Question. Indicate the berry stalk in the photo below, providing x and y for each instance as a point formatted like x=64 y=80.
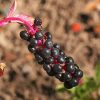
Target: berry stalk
x=30 y=28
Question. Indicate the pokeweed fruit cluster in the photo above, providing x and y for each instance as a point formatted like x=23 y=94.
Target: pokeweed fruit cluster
x=52 y=57
x=47 y=53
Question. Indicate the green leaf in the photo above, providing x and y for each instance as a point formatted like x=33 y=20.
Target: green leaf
x=97 y=73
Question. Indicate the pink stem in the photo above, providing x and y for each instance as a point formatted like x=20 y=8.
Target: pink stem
x=31 y=30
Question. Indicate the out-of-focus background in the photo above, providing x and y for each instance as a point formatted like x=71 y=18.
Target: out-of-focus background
x=75 y=25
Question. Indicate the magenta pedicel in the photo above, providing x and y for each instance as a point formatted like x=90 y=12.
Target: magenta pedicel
x=48 y=54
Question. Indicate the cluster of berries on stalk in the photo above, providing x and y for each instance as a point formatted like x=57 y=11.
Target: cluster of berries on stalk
x=51 y=56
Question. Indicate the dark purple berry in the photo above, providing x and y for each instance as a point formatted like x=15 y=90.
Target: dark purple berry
x=46 y=53
x=69 y=60
x=65 y=57
x=73 y=82
x=49 y=43
x=57 y=68
x=50 y=60
x=51 y=73
x=78 y=73
x=47 y=68
x=76 y=66
x=39 y=51
x=37 y=21
x=24 y=35
x=55 y=52
x=62 y=53
x=67 y=85
x=48 y=34
x=39 y=35
x=33 y=41
x=31 y=48
x=58 y=76
x=56 y=46
x=39 y=58
x=61 y=77
x=70 y=68
x=61 y=59
x=67 y=76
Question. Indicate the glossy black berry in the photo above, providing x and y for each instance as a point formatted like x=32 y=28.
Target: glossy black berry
x=76 y=66
x=37 y=21
x=57 y=68
x=55 y=52
x=67 y=85
x=50 y=60
x=67 y=76
x=65 y=57
x=58 y=76
x=62 y=53
x=39 y=35
x=49 y=43
x=70 y=68
x=31 y=48
x=51 y=73
x=56 y=46
x=46 y=53
x=33 y=41
x=39 y=58
x=48 y=34
x=38 y=51
x=47 y=68
x=24 y=35
x=61 y=59
x=73 y=82
x=78 y=73
x=69 y=60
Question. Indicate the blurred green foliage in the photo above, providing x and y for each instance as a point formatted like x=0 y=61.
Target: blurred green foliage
x=84 y=91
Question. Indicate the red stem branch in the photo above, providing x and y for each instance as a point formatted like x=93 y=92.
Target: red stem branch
x=30 y=28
